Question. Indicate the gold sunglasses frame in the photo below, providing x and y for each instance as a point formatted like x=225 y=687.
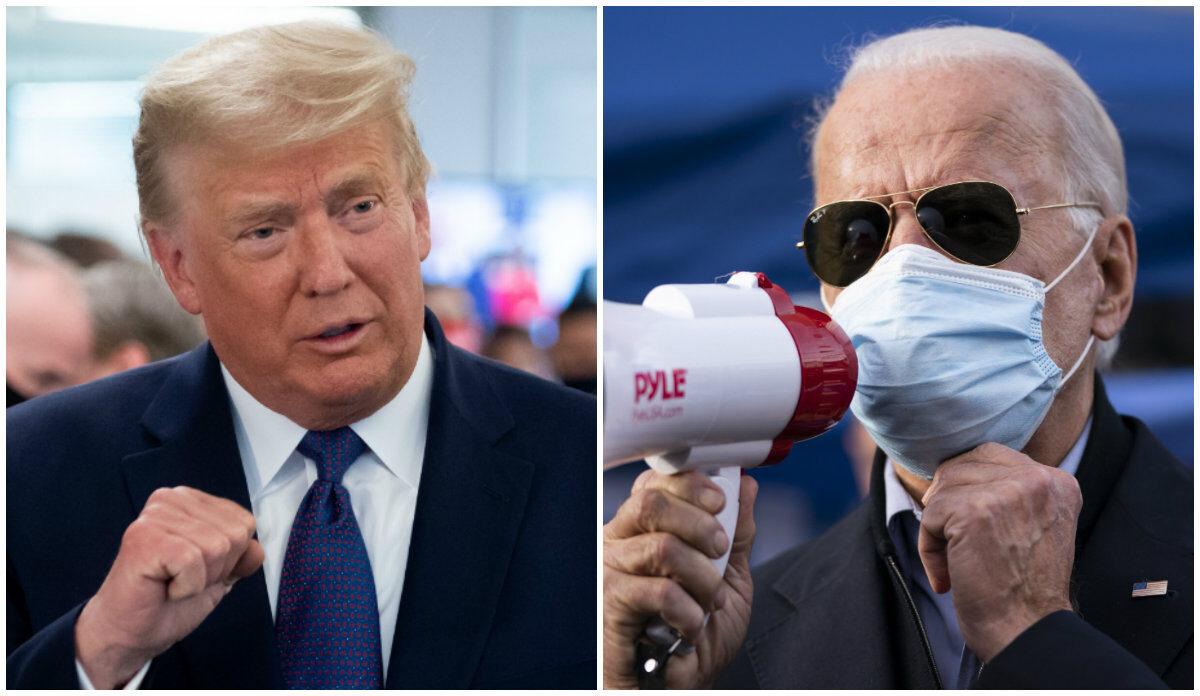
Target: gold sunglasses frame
x=914 y=204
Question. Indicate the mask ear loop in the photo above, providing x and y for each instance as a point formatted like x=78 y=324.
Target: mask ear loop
x=1078 y=361
x=1092 y=338
x=1082 y=252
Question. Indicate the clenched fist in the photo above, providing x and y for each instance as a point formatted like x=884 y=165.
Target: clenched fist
x=658 y=561
x=177 y=560
x=999 y=528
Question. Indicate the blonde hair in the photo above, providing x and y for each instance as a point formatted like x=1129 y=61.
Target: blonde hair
x=270 y=87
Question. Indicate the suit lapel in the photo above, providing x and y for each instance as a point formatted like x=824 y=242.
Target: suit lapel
x=1135 y=527
x=470 y=504
x=191 y=422
x=837 y=584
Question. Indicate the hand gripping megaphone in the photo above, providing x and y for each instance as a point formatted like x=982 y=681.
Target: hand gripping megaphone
x=716 y=378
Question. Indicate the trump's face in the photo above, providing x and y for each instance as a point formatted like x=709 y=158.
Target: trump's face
x=305 y=267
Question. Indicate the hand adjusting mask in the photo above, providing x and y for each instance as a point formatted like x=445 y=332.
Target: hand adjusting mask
x=950 y=355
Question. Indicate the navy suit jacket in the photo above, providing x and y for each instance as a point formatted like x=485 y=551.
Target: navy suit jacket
x=833 y=614
x=500 y=588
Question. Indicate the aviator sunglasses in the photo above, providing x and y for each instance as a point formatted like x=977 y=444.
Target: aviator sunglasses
x=976 y=222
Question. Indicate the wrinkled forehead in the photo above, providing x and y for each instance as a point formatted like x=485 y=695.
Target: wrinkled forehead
x=934 y=126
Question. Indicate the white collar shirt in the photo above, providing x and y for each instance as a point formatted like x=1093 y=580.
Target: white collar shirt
x=382 y=482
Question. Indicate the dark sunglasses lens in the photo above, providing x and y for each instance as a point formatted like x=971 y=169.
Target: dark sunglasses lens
x=842 y=240
x=975 y=221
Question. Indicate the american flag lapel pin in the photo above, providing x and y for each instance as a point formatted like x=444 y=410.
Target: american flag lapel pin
x=1149 y=589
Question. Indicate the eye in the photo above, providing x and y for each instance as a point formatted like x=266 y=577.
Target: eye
x=262 y=232
x=364 y=206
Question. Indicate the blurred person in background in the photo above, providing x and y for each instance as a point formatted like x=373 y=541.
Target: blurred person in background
x=49 y=332
x=574 y=353
x=84 y=249
x=513 y=346
x=135 y=320
x=1018 y=533
x=455 y=311
x=327 y=493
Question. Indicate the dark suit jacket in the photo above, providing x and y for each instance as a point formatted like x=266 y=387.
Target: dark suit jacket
x=834 y=613
x=501 y=579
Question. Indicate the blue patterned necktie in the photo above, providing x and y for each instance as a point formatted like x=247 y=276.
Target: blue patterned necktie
x=327 y=623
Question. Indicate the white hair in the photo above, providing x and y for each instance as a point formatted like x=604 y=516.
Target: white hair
x=1093 y=162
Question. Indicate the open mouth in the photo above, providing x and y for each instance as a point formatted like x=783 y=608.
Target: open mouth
x=339 y=331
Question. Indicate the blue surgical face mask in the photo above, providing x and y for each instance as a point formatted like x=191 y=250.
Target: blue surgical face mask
x=950 y=355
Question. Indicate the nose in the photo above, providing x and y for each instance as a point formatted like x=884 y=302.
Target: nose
x=323 y=267
x=906 y=229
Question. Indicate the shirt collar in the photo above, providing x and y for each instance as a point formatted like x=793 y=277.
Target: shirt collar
x=395 y=433
x=897 y=499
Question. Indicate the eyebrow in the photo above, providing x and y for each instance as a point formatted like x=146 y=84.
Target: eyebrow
x=352 y=185
x=258 y=211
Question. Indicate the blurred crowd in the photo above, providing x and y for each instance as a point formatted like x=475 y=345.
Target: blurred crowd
x=79 y=309
x=569 y=355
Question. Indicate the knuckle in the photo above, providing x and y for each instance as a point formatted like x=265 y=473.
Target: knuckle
x=665 y=592
x=219 y=547
x=162 y=495
x=650 y=507
x=662 y=553
x=247 y=522
x=644 y=479
x=1070 y=491
x=189 y=554
x=136 y=532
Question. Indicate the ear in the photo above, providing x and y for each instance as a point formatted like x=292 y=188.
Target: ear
x=420 y=208
x=1117 y=258
x=167 y=249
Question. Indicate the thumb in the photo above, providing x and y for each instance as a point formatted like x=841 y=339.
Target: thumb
x=249 y=562
x=743 y=536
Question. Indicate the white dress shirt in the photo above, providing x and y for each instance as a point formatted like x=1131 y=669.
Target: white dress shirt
x=957 y=665
x=382 y=483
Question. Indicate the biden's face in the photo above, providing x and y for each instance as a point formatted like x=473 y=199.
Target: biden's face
x=305 y=267
x=899 y=131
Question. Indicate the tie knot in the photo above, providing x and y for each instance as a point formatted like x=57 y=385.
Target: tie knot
x=333 y=451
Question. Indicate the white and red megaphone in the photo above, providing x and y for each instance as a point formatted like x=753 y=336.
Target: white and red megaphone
x=719 y=377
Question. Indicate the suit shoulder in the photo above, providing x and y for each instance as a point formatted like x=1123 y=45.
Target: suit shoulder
x=96 y=414
x=1157 y=488
x=533 y=399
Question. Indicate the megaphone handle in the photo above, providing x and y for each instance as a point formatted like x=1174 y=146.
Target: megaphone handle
x=729 y=480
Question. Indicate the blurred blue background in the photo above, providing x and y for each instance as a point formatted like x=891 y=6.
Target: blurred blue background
x=705 y=172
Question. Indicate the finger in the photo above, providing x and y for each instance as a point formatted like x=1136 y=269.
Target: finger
x=933 y=538
x=665 y=555
x=932 y=549
x=181 y=564
x=655 y=510
x=632 y=600
x=216 y=547
x=743 y=535
x=692 y=486
x=232 y=519
x=248 y=564
x=959 y=473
